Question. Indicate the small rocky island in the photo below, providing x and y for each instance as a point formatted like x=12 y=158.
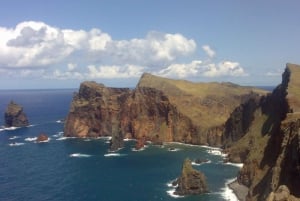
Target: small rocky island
x=42 y=137
x=14 y=116
x=191 y=181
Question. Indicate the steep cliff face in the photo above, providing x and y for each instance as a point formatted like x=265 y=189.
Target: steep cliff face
x=269 y=147
x=147 y=113
x=207 y=105
x=142 y=113
x=15 y=116
x=173 y=110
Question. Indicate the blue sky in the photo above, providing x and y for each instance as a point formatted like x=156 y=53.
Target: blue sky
x=58 y=44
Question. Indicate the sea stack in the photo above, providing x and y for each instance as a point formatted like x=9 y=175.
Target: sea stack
x=14 y=116
x=191 y=181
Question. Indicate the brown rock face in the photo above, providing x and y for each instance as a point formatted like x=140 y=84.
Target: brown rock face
x=42 y=137
x=191 y=181
x=166 y=111
x=269 y=147
x=14 y=116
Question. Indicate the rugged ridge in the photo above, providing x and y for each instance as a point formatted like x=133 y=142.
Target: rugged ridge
x=159 y=110
x=269 y=143
x=14 y=116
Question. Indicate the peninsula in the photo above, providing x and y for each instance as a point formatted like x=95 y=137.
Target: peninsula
x=255 y=127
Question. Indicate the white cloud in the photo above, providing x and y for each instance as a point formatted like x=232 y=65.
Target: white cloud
x=71 y=66
x=126 y=71
x=225 y=68
x=210 y=52
x=181 y=70
x=37 y=49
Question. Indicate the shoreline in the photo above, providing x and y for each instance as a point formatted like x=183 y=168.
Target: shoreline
x=239 y=190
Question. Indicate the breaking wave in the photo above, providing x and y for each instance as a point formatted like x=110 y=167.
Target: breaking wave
x=79 y=155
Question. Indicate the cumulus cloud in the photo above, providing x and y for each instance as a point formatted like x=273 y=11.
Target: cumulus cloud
x=38 y=49
x=181 y=70
x=209 y=51
x=199 y=68
x=225 y=68
x=127 y=71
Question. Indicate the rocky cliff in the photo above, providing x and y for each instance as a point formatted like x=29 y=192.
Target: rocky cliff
x=268 y=143
x=158 y=110
x=15 y=116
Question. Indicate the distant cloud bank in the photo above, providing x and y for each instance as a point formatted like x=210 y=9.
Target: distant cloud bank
x=36 y=49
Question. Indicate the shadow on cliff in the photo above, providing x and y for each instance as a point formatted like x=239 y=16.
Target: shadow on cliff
x=275 y=107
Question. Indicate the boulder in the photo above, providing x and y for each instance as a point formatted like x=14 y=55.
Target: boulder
x=191 y=181
x=42 y=138
x=14 y=116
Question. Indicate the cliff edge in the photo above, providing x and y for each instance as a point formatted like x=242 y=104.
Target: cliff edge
x=269 y=143
x=158 y=109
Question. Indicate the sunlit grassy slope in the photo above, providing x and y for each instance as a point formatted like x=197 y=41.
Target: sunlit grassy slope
x=207 y=104
x=294 y=87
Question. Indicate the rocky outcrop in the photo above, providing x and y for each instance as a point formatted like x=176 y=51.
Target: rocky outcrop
x=282 y=194
x=14 y=116
x=269 y=147
x=170 y=111
x=42 y=138
x=191 y=181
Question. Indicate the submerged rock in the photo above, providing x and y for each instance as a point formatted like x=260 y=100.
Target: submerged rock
x=191 y=181
x=14 y=116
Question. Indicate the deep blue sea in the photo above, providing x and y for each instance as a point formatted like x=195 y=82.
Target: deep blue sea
x=83 y=169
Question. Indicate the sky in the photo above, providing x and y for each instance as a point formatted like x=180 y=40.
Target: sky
x=59 y=44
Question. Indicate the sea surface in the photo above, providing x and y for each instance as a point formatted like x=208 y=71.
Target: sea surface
x=73 y=169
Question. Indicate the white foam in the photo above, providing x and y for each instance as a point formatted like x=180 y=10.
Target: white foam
x=227 y=193
x=44 y=141
x=141 y=149
x=216 y=152
x=105 y=137
x=59 y=134
x=79 y=155
x=16 y=144
x=10 y=128
x=198 y=164
x=129 y=139
x=171 y=192
x=30 y=139
x=59 y=121
x=113 y=155
x=14 y=137
x=174 y=149
x=65 y=138
x=239 y=165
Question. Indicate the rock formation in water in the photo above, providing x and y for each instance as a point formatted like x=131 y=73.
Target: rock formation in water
x=158 y=110
x=269 y=143
x=191 y=181
x=14 y=116
x=42 y=137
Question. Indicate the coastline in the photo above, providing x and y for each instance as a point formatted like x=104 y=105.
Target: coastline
x=239 y=190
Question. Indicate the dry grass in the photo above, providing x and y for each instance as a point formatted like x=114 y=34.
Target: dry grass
x=294 y=87
x=207 y=104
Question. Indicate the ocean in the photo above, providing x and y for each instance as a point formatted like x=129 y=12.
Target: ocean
x=72 y=169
